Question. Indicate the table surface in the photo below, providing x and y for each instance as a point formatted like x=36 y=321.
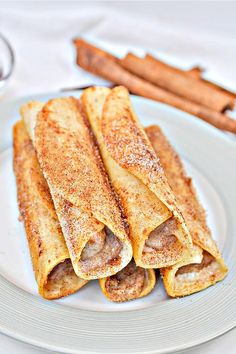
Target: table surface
x=183 y=33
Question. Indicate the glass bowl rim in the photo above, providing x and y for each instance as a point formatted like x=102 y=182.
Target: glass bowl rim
x=12 y=57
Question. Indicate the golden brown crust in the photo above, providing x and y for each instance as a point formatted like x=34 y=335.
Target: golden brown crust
x=80 y=189
x=129 y=146
x=69 y=160
x=192 y=280
x=27 y=111
x=46 y=242
x=77 y=225
x=143 y=209
x=205 y=262
x=182 y=186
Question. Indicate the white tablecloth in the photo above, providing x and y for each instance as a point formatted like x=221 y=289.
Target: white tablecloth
x=182 y=33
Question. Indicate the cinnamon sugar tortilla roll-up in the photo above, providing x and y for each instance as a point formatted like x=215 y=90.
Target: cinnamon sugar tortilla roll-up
x=182 y=85
x=132 y=282
x=205 y=265
x=85 y=204
x=157 y=230
x=50 y=257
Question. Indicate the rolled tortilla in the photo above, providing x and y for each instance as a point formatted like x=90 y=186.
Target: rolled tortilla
x=205 y=265
x=85 y=204
x=157 y=230
x=130 y=283
x=50 y=258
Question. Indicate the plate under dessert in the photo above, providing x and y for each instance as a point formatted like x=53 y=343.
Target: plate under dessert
x=87 y=321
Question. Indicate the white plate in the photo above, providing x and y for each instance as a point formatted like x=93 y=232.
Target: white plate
x=87 y=321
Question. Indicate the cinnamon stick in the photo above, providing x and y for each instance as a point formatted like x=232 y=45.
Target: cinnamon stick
x=97 y=62
x=81 y=43
x=181 y=85
x=195 y=72
x=231 y=94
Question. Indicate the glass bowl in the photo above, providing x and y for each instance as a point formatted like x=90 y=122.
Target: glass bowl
x=7 y=61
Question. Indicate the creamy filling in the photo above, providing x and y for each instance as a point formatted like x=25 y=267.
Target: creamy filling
x=93 y=246
x=196 y=267
x=62 y=280
x=198 y=273
x=104 y=249
x=127 y=284
x=162 y=245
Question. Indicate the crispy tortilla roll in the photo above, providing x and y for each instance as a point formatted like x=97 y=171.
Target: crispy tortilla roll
x=205 y=265
x=130 y=283
x=178 y=83
x=158 y=233
x=50 y=258
x=87 y=210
